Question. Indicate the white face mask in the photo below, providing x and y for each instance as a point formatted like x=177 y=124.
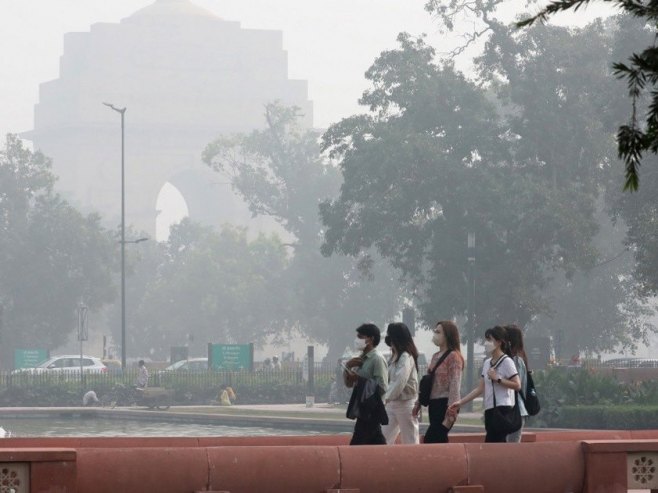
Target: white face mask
x=489 y=347
x=436 y=339
x=359 y=344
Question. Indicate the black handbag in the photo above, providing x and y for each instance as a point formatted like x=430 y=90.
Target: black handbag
x=531 y=400
x=425 y=384
x=505 y=419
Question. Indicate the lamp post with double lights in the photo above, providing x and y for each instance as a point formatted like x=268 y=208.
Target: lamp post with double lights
x=122 y=112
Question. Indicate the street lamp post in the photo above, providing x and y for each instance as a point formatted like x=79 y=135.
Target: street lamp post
x=122 y=112
x=470 y=366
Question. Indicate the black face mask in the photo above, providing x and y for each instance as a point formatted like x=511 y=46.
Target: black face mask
x=387 y=341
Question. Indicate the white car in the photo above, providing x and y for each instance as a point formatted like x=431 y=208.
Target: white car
x=194 y=365
x=67 y=364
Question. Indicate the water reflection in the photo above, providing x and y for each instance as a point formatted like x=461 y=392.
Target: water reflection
x=84 y=427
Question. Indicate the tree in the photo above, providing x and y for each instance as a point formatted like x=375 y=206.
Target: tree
x=596 y=309
x=433 y=161
x=281 y=173
x=51 y=256
x=211 y=286
x=555 y=93
x=640 y=135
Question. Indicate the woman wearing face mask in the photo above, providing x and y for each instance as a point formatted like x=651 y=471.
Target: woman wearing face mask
x=367 y=374
x=499 y=375
x=446 y=383
x=402 y=386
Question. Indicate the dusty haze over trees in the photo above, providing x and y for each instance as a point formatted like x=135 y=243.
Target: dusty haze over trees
x=375 y=212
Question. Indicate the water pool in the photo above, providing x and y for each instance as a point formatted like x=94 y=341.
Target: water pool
x=99 y=427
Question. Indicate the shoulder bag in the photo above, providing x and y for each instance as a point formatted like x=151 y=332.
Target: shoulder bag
x=425 y=384
x=505 y=419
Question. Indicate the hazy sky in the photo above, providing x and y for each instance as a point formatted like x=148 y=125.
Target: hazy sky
x=330 y=44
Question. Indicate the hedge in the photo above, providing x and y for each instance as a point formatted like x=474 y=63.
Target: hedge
x=606 y=417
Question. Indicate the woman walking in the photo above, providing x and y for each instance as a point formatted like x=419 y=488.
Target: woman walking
x=402 y=386
x=517 y=351
x=500 y=378
x=448 y=365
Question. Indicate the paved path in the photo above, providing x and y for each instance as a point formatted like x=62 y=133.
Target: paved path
x=322 y=408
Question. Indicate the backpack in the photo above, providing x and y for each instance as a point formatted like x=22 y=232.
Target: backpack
x=530 y=399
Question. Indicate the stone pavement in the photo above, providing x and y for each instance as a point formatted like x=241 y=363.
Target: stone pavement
x=324 y=408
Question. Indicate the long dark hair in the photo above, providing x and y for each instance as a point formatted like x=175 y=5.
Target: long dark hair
x=399 y=336
x=451 y=333
x=515 y=339
x=500 y=334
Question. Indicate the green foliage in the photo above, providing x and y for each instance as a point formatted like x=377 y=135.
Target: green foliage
x=432 y=160
x=282 y=174
x=599 y=417
x=641 y=74
x=51 y=256
x=208 y=286
x=561 y=390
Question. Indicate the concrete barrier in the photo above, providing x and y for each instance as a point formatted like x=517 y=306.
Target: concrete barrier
x=537 y=467
x=570 y=462
x=274 y=469
x=421 y=469
x=139 y=470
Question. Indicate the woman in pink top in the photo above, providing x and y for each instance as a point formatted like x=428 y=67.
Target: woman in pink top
x=446 y=384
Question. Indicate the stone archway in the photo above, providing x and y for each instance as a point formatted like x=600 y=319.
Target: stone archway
x=185 y=76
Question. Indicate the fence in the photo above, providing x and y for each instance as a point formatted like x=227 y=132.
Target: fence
x=286 y=385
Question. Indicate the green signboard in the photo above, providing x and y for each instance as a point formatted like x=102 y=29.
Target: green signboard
x=29 y=358
x=231 y=356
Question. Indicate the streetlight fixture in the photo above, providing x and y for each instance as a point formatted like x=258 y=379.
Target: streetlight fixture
x=122 y=112
x=470 y=364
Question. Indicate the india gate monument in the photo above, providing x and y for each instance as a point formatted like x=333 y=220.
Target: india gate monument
x=185 y=77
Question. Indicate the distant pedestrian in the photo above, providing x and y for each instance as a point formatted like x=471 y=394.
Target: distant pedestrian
x=367 y=375
x=143 y=375
x=448 y=366
x=499 y=376
x=402 y=386
x=517 y=351
x=276 y=364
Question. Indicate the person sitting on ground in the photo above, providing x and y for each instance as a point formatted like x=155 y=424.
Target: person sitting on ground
x=226 y=396
x=143 y=375
x=90 y=399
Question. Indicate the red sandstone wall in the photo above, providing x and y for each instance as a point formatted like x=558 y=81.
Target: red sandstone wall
x=376 y=469
x=320 y=463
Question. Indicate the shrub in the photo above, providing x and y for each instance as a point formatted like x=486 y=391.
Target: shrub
x=618 y=417
x=562 y=388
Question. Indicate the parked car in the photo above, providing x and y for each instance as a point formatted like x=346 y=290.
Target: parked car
x=67 y=364
x=194 y=365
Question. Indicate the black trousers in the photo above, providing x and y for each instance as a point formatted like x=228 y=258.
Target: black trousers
x=436 y=432
x=493 y=436
x=367 y=432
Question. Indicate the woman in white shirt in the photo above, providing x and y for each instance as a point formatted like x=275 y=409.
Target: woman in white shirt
x=499 y=375
x=402 y=388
